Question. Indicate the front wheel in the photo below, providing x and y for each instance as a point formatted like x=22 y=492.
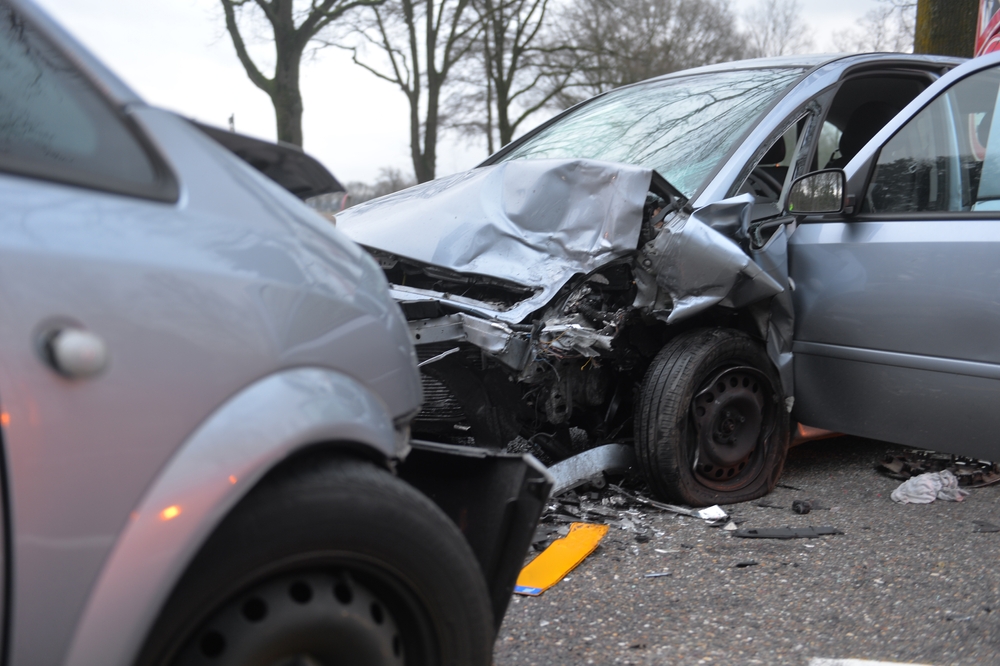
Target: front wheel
x=335 y=562
x=711 y=427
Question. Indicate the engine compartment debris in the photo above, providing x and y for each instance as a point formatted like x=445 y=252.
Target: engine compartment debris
x=970 y=472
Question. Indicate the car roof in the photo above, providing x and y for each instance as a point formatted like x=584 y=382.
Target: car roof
x=813 y=61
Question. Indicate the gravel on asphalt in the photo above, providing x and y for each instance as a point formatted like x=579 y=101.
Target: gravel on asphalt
x=904 y=583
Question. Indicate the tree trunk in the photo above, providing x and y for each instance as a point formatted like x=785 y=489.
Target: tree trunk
x=287 y=100
x=946 y=27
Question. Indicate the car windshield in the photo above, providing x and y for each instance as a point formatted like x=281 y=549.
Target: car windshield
x=680 y=127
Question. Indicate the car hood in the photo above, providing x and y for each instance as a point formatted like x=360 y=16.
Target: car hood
x=536 y=223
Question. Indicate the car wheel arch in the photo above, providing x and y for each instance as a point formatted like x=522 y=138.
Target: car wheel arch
x=193 y=494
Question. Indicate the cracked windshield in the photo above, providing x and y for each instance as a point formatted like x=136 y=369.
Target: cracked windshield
x=679 y=127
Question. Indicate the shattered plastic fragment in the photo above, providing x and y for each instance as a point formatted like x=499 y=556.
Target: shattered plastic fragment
x=983 y=526
x=577 y=470
x=711 y=514
x=661 y=574
x=559 y=559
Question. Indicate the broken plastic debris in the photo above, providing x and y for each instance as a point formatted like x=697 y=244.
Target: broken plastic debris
x=559 y=559
x=804 y=506
x=713 y=514
x=730 y=526
x=983 y=526
x=657 y=575
x=744 y=565
x=971 y=473
x=786 y=532
x=581 y=468
x=928 y=487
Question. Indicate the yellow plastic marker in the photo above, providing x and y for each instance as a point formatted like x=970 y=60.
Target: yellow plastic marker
x=561 y=557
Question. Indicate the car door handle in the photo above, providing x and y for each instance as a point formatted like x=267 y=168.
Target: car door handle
x=76 y=353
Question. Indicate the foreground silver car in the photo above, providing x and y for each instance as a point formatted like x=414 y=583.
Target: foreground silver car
x=206 y=394
x=629 y=270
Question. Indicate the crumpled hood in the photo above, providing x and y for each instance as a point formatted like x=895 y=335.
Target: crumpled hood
x=533 y=222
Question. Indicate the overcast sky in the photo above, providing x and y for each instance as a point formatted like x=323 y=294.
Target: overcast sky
x=177 y=55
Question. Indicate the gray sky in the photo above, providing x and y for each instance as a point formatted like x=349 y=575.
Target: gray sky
x=177 y=55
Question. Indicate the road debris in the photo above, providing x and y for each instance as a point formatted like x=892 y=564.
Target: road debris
x=764 y=504
x=971 y=473
x=804 y=506
x=928 y=487
x=658 y=575
x=744 y=565
x=786 y=532
x=561 y=557
x=712 y=514
x=983 y=526
x=590 y=466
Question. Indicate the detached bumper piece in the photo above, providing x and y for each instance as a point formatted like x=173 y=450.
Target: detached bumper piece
x=786 y=532
x=494 y=498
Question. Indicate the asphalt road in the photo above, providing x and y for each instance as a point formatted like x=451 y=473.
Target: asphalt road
x=904 y=583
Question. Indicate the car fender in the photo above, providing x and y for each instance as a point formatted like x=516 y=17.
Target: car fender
x=210 y=472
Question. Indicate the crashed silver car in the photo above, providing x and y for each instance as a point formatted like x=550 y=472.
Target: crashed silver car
x=635 y=270
x=205 y=397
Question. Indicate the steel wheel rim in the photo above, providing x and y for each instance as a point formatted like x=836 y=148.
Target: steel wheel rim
x=315 y=617
x=733 y=416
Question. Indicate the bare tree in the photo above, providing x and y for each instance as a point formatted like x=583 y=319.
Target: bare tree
x=887 y=27
x=419 y=43
x=507 y=80
x=390 y=179
x=775 y=28
x=292 y=29
x=609 y=43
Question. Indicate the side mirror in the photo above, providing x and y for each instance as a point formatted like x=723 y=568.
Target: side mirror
x=817 y=193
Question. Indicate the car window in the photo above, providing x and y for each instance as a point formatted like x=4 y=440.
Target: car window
x=54 y=124
x=942 y=159
x=829 y=142
x=681 y=127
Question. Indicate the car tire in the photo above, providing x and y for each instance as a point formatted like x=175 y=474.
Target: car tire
x=335 y=561
x=711 y=427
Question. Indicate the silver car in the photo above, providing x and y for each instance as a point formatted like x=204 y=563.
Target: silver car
x=634 y=270
x=206 y=393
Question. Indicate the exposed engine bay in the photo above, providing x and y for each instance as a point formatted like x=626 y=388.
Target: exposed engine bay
x=555 y=341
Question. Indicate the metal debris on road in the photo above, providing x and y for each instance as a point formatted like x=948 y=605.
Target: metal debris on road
x=712 y=514
x=786 y=532
x=657 y=575
x=970 y=472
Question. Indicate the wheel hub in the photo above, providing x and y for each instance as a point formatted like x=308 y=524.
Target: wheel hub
x=729 y=419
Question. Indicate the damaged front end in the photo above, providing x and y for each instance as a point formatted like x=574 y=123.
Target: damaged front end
x=538 y=293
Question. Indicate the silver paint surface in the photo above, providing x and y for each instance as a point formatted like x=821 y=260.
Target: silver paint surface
x=535 y=223
x=236 y=282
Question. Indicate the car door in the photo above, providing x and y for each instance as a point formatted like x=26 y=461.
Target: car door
x=897 y=307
